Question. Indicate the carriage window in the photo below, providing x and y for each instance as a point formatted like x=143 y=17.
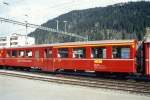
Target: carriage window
x=8 y=53
x=14 y=53
x=79 y=53
x=36 y=53
x=21 y=53
x=47 y=53
x=121 y=52
x=98 y=52
x=63 y=53
x=28 y=53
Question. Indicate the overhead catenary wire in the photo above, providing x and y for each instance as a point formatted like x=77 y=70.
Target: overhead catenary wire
x=41 y=27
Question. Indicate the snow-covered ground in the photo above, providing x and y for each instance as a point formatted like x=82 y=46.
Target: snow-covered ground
x=13 y=88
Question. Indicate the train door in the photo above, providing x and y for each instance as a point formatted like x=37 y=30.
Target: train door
x=64 y=61
x=36 y=58
x=48 y=59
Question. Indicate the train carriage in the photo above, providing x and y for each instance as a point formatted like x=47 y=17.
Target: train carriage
x=146 y=65
x=31 y=56
x=99 y=56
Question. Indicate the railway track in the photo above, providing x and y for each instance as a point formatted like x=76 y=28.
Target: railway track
x=142 y=88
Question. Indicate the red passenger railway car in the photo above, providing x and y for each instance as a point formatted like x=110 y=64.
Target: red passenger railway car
x=147 y=57
x=100 y=56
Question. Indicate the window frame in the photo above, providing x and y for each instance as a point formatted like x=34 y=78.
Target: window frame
x=16 y=54
x=8 y=54
x=23 y=54
x=104 y=56
x=120 y=55
x=79 y=48
x=48 y=53
x=59 y=53
x=26 y=53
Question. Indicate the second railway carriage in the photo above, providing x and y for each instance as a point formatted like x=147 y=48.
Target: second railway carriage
x=146 y=66
x=99 y=56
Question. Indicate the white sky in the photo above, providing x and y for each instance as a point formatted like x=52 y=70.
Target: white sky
x=40 y=11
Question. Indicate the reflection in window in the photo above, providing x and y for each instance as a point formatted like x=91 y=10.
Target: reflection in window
x=28 y=53
x=21 y=53
x=79 y=53
x=98 y=52
x=14 y=53
x=8 y=54
x=121 y=52
x=63 y=53
x=47 y=53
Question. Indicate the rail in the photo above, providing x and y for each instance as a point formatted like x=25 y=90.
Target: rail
x=142 y=88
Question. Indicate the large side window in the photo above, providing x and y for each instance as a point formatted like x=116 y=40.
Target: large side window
x=29 y=53
x=14 y=53
x=79 y=53
x=8 y=53
x=98 y=52
x=63 y=53
x=21 y=53
x=121 y=52
x=47 y=53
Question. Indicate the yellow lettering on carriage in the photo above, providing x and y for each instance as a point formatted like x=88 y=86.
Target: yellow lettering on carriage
x=98 y=61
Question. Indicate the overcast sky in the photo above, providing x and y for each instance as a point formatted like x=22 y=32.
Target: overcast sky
x=40 y=11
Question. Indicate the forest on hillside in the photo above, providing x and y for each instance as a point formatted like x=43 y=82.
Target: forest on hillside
x=119 y=21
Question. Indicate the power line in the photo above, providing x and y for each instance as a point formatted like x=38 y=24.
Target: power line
x=42 y=28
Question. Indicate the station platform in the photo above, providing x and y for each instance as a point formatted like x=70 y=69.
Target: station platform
x=13 y=88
